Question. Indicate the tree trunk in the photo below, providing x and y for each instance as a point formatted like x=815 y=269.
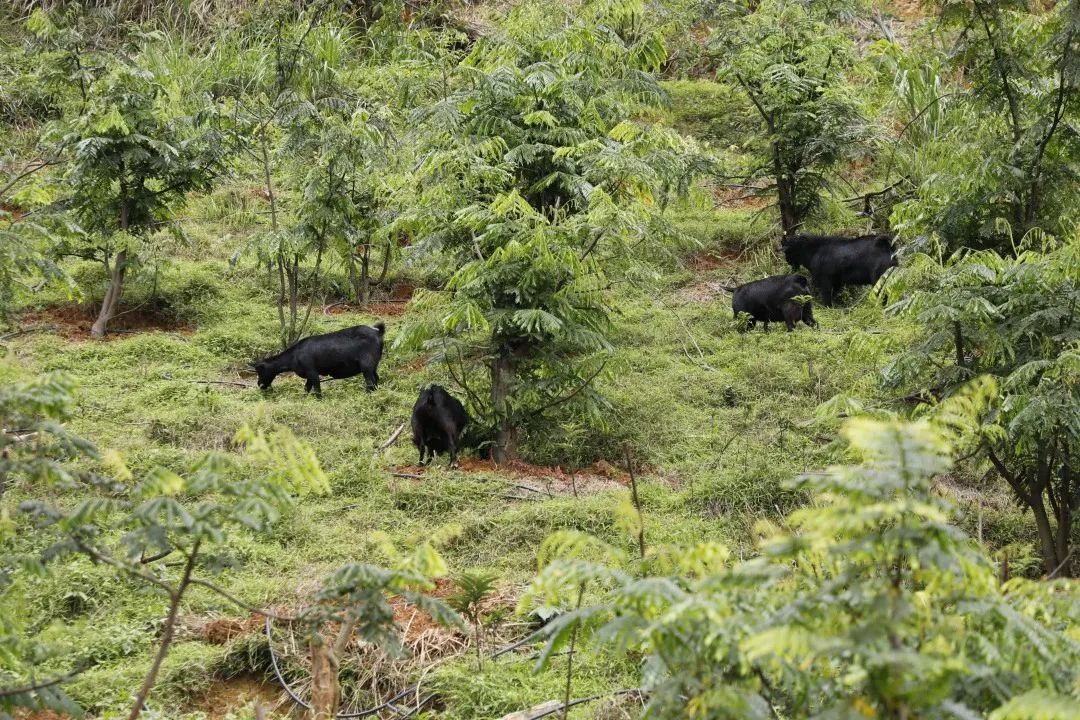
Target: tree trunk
x=111 y=300
x=385 y=264
x=785 y=195
x=294 y=298
x=325 y=692
x=365 y=281
x=958 y=342
x=353 y=279
x=502 y=373
x=1046 y=534
x=166 y=635
x=1064 y=512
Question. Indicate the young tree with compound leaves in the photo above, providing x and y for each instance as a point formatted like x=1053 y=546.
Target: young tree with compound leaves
x=869 y=603
x=35 y=449
x=1007 y=147
x=536 y=182
x=1015 y=317
x=133 y=524
x=132 y=166
x=131 y=157
x=791 y=61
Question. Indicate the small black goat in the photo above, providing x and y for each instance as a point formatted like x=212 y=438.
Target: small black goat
x=342 y=354
x=772 y=300
x=437 y=421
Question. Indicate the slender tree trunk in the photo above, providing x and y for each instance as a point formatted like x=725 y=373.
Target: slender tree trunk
x=385 y=264
x=294 y=299
x=111 y=301
x=314 y=284
x=570 y=658
x=365 y=281
x=282 y=326
x=1046 y=534
x=269 y=182
x=166 y=635
x=479 y=652
x=353 y=279
x=958 y=341
x=785 y=195
x=502 y=373
x=1064 y=513
x=325 y=691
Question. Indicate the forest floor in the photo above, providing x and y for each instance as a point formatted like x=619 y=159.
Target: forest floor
x=717 y=421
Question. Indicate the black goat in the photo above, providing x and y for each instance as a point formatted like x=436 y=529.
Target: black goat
x=772 y=300
x=438 y=419
x=342 y=354
x=837 y=262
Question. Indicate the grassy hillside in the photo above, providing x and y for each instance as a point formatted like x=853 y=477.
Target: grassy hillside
x=717 y=421
x=712 y=421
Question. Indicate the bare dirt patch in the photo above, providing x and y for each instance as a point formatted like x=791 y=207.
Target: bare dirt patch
x=219 y=630
x=740 y=198
x=538 y=479
x=417 y=364
x=14 y=212
x=73 y=321
x=704 y=292
x=909 y=9
x=24 y=714
x=231 y=696
x=382 y=309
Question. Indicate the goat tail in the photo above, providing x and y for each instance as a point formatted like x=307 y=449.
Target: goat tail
x=380 y=327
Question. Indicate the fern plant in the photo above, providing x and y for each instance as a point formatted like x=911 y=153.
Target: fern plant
x=473 y=588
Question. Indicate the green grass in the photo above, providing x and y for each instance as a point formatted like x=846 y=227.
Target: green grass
x=719 y=433
x=718 y=420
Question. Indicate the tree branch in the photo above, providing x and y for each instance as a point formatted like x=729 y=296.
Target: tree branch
x=34 y=687
x=578 y=389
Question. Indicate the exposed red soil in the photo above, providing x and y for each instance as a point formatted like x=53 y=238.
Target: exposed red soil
x=601 y=475
x=709 y=260
x=222 y=630
x=24 y=714
x=418 y=627
x=73 y=321
x=14 y=212
x=909 y=9
x=415 y=624
x=416 y=364
x=218 y=630
x=402 y=291
x=232 y=696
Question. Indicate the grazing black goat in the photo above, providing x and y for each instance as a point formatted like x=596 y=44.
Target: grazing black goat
x=342 y=354
x=437 y=421
x=772 y=300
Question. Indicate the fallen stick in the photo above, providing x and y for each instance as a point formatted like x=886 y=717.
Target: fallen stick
x=391 y=440
x=326 y=310
x=222 y=382
x=407 y=475
x=530 y=488
x=26 y=331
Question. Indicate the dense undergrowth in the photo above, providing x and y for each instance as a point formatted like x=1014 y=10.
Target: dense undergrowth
x=715 y=422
